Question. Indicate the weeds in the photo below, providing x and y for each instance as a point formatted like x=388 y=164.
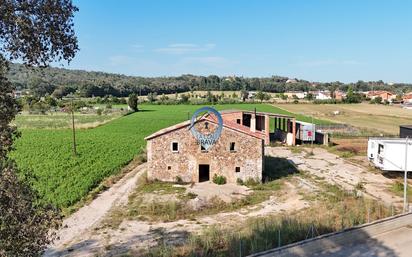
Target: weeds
x=259 y=234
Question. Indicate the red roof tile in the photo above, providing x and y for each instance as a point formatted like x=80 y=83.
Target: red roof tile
x=211 y=118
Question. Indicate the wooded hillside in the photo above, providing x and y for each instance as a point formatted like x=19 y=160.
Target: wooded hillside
x=60 y=82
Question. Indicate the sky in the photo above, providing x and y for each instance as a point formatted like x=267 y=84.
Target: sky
x=307 y=39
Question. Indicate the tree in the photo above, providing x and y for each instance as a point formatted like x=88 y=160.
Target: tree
x=310 y=96
x=36 y=33
x=244 y=94
x=152 y=97
x=184 y=98
x=133 y=101
x=352 y=97
x=28 y=224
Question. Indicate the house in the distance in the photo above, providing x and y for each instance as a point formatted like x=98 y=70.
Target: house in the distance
x=322 y=95
x=291 y=81
x=339 y=95
x=297 y=94
x=407 y=98
x=385 y=95
x=174 y=153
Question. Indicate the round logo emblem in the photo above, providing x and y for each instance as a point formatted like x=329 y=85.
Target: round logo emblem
x=206 y=140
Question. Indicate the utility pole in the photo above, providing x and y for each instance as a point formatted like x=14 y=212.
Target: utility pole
x=74 y=131
x=405 y=182
x=313 y=134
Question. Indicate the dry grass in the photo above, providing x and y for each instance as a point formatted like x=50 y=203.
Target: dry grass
x=335 y=211
x=375 y=119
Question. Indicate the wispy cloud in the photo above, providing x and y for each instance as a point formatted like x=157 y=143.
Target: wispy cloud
x=210 y=61
x=118 y=60
x=326 y=62
x=185 y=48
x=137 y=46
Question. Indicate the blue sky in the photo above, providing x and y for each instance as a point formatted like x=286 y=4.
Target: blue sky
x=313 y=40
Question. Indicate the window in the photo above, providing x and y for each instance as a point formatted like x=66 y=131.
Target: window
x=175 y=147
x=238 y=121
x=169 y=167
x=237 y=169
x=232 y=146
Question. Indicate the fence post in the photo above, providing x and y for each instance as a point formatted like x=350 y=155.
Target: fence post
x=279 y=242
x=240 y=248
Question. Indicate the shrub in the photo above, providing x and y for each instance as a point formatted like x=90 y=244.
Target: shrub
x=251 y=182
x=179 y=180
x=219 y=179
x=132 y=102
x=99 y=111
x=239 y=181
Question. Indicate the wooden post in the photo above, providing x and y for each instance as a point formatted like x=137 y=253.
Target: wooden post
x=74 y=131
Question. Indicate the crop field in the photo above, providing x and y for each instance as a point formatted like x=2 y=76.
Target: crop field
x=60 y=120
x=374 y=118
x=63 y=179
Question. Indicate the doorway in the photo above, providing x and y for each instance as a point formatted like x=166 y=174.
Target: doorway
x=204 y=170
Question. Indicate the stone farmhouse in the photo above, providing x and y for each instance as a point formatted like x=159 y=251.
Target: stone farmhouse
x=174 y=153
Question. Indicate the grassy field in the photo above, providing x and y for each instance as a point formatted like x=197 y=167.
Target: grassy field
x=374 y=118
x=64 y=179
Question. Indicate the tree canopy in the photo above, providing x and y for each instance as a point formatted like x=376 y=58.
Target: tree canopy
x=36 y=33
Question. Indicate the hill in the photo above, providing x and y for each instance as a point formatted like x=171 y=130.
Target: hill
x=60 y=82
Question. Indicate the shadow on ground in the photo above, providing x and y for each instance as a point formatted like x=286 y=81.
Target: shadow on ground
x=276 y=168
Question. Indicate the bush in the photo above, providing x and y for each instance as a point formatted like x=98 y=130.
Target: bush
x=99 y=111
x=239 y=181
x=219 y=179
x=251 y=182
x=179 y=180
x=132 y=102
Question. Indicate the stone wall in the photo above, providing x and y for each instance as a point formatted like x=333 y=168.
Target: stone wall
x=166 y=165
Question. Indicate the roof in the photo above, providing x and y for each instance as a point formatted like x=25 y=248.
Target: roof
x=406 y=126
x=373 y=93
x=226 y=123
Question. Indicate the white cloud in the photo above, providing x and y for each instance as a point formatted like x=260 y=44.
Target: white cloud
x=182 y=48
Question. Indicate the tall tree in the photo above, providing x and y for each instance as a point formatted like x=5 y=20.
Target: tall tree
x=36 y=33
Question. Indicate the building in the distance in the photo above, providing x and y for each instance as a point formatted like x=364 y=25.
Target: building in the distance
x=174 y=154
x=384 y=95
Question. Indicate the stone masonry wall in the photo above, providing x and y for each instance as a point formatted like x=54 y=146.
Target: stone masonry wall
x=166 y=165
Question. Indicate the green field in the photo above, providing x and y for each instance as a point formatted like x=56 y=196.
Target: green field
x=61 y=120
x=63 y=179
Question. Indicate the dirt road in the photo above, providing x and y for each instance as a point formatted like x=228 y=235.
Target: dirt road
x=82 y=221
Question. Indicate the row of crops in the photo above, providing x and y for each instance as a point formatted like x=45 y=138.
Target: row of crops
x=63 y=179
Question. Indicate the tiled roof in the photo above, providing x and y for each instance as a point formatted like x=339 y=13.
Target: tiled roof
x=211 y=118
x=373 y=93
x=237 y=127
